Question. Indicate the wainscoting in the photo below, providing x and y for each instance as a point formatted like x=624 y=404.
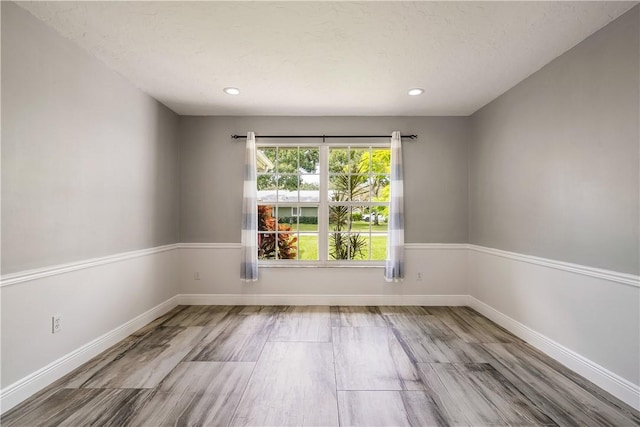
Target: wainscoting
x=585 y=318
x=101 y=302
x=443 y=268
x=588 y=319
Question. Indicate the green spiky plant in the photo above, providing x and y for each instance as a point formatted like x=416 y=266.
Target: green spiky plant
x=343 y=244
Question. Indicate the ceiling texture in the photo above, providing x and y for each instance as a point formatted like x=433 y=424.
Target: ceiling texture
x=326 y=58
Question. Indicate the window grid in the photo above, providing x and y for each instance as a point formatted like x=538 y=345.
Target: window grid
x=357 y=180
x=355 y=200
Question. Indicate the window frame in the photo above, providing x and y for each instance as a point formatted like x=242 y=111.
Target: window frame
x=322 y=206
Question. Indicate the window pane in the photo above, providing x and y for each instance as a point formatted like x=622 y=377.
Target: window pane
x=380 y=188
x=309 y=160
x=267 y=188
x=339 y=188
x=288 y=188
x=287 y=160
x=338 y=160
x=378 y=247
x=360 y=245
x=266 y=245
x=357 y=223
x=309 y=188
x=338 y=245
x=359 y=161
x=359 y=188
x=345 y=188
x=381 y=161
x=365 y=215
x=378 y=219
x=356 y=216
x=266 y=219
x=308 y=246
x=287 y=243
x=288 y=215
x=348 y=246
x=339 y=218
x=308 y=218
x=265 y=159
x=303 y=218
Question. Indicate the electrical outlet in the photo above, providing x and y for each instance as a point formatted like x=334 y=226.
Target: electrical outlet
x=419 y=276
x=56 y=323
x=196 y=275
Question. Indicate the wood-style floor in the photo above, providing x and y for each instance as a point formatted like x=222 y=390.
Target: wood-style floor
x=322 y=366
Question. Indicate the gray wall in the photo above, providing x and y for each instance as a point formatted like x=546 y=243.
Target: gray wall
x=435 y=171
x=89 y=162
x=554 y=161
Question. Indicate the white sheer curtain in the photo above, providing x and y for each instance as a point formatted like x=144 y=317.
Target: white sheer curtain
x=394 y=267
x=249 y=263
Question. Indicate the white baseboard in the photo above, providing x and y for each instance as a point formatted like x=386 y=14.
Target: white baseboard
x=301 y=299
x=31 y=384
x=607 y=380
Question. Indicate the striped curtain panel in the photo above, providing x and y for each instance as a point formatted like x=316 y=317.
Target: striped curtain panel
x=394 y=267
x=249 y=253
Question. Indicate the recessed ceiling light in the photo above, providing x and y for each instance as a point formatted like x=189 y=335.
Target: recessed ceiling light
x=231 y=90
x=416 y=91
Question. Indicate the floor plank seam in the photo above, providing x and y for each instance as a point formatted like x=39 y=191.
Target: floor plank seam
x=388 y=365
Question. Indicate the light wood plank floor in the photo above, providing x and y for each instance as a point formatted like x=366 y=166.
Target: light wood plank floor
x=322 y=366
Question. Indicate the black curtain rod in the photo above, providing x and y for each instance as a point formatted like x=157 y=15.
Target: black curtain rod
x=323 y=136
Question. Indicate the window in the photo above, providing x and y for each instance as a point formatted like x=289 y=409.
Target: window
x=323 y=205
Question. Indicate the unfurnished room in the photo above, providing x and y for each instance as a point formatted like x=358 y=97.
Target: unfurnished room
x=378 y=213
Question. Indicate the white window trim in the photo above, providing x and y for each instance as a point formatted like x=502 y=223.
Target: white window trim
x=323 y=214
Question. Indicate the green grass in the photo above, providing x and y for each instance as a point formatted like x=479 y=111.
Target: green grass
x=308 y=243
x=364 y=226
x=308 y=247
x=303 y=227
x=379 y=248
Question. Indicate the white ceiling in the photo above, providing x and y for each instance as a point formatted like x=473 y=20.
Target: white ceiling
x=326 y=58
